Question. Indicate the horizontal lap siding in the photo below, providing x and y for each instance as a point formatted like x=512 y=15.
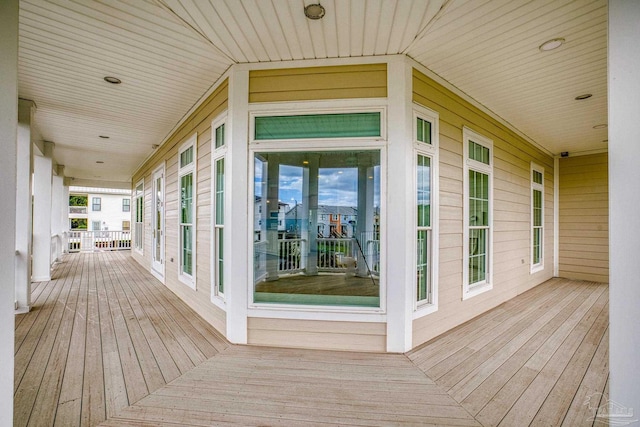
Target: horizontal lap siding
x=350 y=336
x=584 y=218
x=511 y=211
x=307 y=84
x=316 y=83
x=198 y=122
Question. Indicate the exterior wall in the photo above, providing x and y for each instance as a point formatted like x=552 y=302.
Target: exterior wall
x=110 y=214
x=315 y=83
x=511 y=211
x=198 y=122
x=584 y=218
x=352 y=336
x=309 y=84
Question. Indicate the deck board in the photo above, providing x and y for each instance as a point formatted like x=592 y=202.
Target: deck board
x=107 y=344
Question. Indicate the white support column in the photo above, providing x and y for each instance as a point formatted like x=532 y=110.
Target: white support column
x=624 y=200
x=271 y=217
x=57 y=204
x=24 y=161
x=8 y=135
x=237 y=209
x=365 y=226
x=399 y=242
x=42 y=169
x=311 y=173
x=64 y=220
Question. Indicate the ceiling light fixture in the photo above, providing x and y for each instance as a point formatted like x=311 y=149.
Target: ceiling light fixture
x=314 y=11
x=99 y=162
x=112 y=80
x=585 y=96
x=551 y=44
x=103 y=136
x=602 y=126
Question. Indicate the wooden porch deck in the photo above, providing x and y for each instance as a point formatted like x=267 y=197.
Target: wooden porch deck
x=106 y=341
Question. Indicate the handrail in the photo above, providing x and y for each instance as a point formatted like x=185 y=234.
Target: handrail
x=83 y=240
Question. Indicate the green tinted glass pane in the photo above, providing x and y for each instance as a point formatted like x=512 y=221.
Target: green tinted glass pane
x=220 y=239
x=478 y=198
x=537 y=249
x=220 y=136
x=537 y=177
x=186 y=157
x=422 y=265
x=537 y=208
x=479 y=153
x=477 y=255
x=187 y=249
x=424 y=191
x=219 y=202
x=317 y=126
x=424 y=130
x=186 y=198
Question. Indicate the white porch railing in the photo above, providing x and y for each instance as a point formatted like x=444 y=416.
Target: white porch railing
x=331 y=253
x=290 y=259
x=99 y=240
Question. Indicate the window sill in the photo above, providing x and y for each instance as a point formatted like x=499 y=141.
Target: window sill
x=477 y=289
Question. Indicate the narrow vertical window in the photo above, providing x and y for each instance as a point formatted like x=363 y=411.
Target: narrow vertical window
x=218 y=189
x=537 y=218
x=138 y=198
x=186 y=182
x=126 y=205
x=425 y=141
x=478 y=213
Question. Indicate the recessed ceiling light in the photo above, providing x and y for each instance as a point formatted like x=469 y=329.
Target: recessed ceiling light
x=154 y=146
x=112 y=80
x=103 y=136
x=602 y=126
x=99 y=162
x=585 y=96
x=314 y=11
x=551 y=44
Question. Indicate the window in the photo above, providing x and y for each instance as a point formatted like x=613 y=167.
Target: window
x=186 y=182
x=96 y=204
x=139 y=217
x=478 y=151
x=96 y=225
x=537 y=218
x=303 y=266
x=218 y=242
x=309 y=126
x=126 y=205
x=425 y=145
x=126 y=225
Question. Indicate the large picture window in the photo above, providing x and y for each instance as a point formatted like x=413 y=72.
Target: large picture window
x=317 y=228
x=537 y=218
x=478 y=152
x=186 y=182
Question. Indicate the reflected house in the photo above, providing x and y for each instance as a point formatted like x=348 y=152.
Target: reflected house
x=279 y=222
x=332 y=221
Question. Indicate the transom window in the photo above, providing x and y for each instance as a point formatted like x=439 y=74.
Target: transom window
x=186 y=182
x=478 y=217
x=309 y=126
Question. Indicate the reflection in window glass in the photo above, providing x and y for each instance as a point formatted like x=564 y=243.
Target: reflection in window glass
x=316 y=228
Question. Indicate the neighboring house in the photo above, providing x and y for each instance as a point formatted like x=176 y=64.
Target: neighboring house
x=260 y=225
x=106 y=209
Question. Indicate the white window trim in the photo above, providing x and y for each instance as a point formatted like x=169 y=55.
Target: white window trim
x=540 y=187
x=478 y=288
x=188 y=279
x=423 y=308
x=137 y=195
x=218 y=298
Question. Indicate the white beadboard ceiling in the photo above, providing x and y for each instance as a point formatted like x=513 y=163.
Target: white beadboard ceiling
x=168 y=53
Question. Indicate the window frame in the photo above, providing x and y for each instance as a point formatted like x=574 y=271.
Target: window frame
x=94 y=204
x=138 y=197
x=536 y=267
x=191 y=168
x=217 y=230
x=470 y=290
x=431 y=151
x=126 y=207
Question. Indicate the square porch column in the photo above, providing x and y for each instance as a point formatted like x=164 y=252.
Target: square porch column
x=42 y=187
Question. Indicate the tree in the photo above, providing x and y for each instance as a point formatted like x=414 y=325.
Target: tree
x=75 y=200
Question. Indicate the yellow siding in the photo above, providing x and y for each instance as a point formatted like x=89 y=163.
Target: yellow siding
x=350 y=336
x=301 y=84
x=584 y=218
x=199 y=122
x=511 y=211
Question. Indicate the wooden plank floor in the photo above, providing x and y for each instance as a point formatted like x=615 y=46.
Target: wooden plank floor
x=107 y=341
x=102 y=335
